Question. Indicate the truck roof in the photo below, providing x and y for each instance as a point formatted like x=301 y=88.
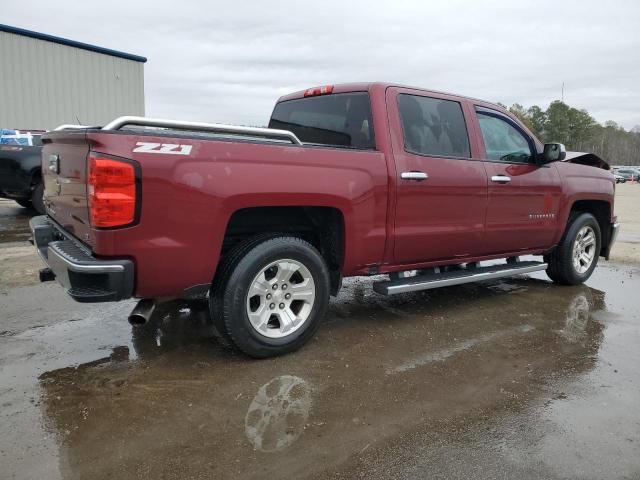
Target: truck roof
x=367 y=86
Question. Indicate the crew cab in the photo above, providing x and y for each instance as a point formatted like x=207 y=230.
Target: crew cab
x=429 y=188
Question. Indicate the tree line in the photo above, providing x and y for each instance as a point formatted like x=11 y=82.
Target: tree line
x=579 y=131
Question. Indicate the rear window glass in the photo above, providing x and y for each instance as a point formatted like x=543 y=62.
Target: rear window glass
x=433 y=126
x=339 y=120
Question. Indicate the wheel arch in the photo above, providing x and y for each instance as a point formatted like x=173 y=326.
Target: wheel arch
x=322 y=226
x=35 y=174
x=602 y=211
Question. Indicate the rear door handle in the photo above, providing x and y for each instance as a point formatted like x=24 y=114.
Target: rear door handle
x=414 y=176
x=500 y=179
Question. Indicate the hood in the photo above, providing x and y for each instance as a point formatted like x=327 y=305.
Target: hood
x=590 y=159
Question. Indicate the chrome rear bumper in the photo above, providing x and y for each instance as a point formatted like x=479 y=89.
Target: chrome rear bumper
x=86 y=278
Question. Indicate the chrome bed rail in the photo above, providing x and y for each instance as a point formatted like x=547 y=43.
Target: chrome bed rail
x=271 y=133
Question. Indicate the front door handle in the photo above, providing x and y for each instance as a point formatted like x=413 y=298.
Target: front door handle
x=414 y=176
x=500 y=179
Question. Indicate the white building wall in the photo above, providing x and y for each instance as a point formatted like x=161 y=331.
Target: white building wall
x=45 y=84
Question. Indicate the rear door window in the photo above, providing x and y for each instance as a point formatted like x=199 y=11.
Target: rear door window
x=434 y=127
x=338 y=120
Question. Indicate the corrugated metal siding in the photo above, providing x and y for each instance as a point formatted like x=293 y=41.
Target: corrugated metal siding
x=44 y=84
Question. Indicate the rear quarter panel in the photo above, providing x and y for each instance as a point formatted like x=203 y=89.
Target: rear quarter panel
x=187 y=202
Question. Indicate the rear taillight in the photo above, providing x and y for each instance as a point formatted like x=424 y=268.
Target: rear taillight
x=112 y=192
x=313 y=92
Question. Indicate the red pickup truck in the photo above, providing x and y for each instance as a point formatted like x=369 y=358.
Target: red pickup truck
x=354 y=179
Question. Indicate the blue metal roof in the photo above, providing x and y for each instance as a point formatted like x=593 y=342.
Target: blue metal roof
x=71 y=43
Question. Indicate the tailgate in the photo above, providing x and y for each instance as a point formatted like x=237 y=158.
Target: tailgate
x=64 y=169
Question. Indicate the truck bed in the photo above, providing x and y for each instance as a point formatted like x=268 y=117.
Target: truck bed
x=193 y=177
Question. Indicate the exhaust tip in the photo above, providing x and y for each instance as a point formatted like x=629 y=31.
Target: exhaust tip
x=142 y=311
x=137 y=319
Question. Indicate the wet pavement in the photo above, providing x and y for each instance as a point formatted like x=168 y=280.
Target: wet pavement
x=508 y=379
x=14 y=222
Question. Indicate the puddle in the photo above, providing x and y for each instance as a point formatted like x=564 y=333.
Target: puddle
x=441 y=355
x=93 y=398
x=278 y=413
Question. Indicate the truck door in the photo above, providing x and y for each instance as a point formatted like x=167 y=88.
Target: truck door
x=524 y=197
x=441 y=189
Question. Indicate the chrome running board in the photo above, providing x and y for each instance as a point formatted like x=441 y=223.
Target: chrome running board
x=436 y=279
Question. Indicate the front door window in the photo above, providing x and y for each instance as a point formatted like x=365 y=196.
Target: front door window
x=502 y=141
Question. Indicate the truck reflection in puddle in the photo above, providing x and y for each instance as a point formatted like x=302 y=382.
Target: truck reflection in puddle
x=190 y=406
x=278 y=413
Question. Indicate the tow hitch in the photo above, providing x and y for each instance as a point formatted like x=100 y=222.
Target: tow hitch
x=46 y=275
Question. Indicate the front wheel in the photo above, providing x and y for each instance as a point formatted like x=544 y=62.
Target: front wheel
x=575 y=258
x=270 y=295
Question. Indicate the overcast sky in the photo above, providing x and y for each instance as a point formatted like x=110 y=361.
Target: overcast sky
x=228 y=61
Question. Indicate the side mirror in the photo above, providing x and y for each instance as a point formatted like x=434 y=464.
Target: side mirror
x=553 y=152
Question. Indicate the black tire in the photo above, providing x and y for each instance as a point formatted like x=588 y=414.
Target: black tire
x=37 y=201
x=228 y=299
x=24 y=203
x=225 y=267
x=561 y=267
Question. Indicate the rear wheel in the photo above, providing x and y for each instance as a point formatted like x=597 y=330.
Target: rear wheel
x=575 y=258
x=270 y=295
x=37 y=200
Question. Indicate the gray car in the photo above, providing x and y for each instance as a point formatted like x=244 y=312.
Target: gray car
x=629 y=173
x=619 y=178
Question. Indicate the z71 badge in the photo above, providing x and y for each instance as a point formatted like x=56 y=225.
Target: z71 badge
x=166 y=148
